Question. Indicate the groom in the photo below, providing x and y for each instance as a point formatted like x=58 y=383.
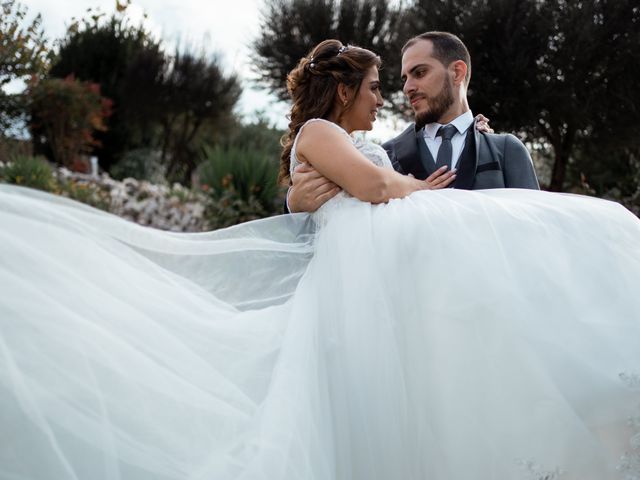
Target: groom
x=436 y=69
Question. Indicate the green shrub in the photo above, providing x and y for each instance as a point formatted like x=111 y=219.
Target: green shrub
x=246 y=175
x=33 y=172
x=229 y=209
x=86 y=192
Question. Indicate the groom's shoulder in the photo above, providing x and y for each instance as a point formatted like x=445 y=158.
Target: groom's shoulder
x=501 y=140
x=507 y=144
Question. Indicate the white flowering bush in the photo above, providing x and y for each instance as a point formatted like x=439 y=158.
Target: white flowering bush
x=175 y=208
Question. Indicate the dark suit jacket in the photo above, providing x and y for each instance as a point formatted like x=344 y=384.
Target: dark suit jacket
x=498 y=161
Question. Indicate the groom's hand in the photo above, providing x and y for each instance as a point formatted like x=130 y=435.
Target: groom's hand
x=309 y=189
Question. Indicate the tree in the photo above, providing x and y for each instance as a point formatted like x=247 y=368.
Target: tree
x=68 y=112
x=128 y=64
x=290 y=28
x=23 y=53
x=196 y=96
x=168 y=103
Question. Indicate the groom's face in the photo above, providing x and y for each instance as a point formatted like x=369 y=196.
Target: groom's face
x=427 y=83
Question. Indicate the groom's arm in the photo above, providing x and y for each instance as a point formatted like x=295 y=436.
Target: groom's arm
x=309 y=190
x=518 y=166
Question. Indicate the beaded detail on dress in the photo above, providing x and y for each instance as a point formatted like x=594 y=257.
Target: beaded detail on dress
x=374 y=152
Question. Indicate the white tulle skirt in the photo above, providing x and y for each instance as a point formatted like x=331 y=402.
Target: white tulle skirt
x=451 y=335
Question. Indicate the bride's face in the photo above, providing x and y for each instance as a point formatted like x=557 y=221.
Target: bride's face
x=368 y=100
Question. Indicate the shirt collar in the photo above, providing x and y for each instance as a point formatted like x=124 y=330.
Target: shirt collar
x=462 y=123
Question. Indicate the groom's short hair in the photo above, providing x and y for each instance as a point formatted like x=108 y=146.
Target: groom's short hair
x=447 y=48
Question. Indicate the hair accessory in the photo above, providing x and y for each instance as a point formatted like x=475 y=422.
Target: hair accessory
x=343 y=49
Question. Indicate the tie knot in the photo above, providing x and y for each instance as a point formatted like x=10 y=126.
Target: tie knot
x=446 y=132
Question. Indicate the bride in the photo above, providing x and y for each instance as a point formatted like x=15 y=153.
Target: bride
x=403 y=331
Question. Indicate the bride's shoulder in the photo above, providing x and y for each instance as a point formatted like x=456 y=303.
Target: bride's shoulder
x=318 y=130
x=322 y=125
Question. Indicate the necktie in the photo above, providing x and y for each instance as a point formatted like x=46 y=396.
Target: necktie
x=444 y=152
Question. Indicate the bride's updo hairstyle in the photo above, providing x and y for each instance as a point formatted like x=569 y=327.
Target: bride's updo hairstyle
x=313 y=86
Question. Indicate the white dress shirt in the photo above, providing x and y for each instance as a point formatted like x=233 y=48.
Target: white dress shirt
x=462 y=124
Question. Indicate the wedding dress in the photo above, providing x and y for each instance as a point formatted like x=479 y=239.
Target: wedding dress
x=450 y=335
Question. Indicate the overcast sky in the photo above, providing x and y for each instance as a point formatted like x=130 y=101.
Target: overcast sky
x=224 y=26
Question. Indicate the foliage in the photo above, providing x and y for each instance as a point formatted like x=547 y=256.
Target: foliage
x=197 y=97
x=166 y=103
x=127 y=63
x=161 y=206
x=258 y=134
x=23 y=53
x=36 y=172
x=556 y=72
x=12 y=147
x=83 y=191
x=229 y=209
x=608 y=169
x=27 y=171
x=290 y=28
x=68 y=112
x=23 y=48
x=239 y=174
x=244 y=174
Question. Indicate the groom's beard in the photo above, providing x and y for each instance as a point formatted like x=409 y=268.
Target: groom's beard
x=438 y=106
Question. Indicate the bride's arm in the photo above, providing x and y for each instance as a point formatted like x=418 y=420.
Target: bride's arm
x=331 y=153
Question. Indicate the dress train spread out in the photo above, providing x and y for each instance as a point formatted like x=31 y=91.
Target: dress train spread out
x=450 y=335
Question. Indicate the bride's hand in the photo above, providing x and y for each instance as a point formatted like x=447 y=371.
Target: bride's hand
x=482 y=124
x=441 y=178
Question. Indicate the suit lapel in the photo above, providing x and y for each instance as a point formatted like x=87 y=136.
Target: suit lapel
x=408 y=153
x=478 y=142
